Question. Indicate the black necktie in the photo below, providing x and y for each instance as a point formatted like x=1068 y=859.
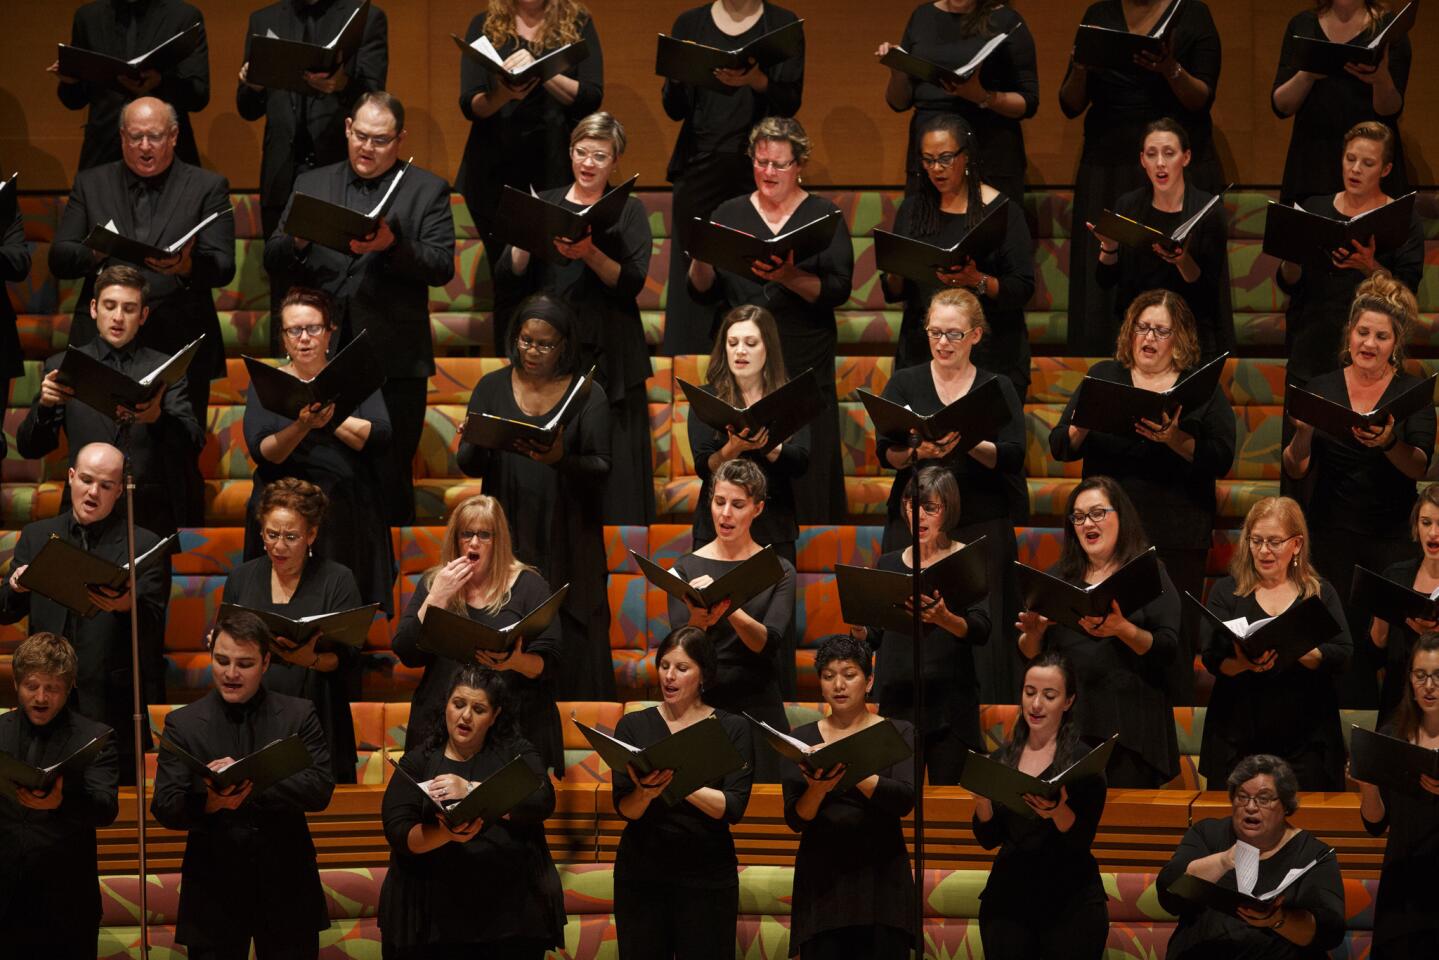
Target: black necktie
x=144 y=210
x=32 y=752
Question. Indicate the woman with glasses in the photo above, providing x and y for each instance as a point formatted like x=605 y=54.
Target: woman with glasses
x=993 y=101
x=1405 y=923
x=709 y=163
x=552 y=493
x=1420 y=573
x=338 y=451
x=947 y=205
x=287 y=580
x=1359 y=487
x=992 y=497
x=950 y=725
x=1121 y=660
x=480 y=577
x=1304 y=923
x=1166 y=468
x=802 y=296
x=600 y=276
x=1198 y=272
x=1291 y=712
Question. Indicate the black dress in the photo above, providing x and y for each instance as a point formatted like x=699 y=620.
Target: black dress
x=991 y=503
x=498 y=890
x=1120 y=104
x=1405 y=923
x=1400 y=645
x=1141 y=269
x=807 y=336
x=325 y=587
x=14 y=267
x=852 y=868
x=1335 y=104
x=1005 y=346
x=526 y=143
x=1292 y=712
x=936 y=35
x=746 y=681
x=557 y=525
x=612 y=338
x=1207 y=934
x=710 y=162
x=1039 y=866
x=951 y=687
x=536 y=714
x=676 y=885
x=354 y=532
x=1319 y=301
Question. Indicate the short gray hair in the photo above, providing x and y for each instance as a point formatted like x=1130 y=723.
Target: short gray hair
x=1285 y=783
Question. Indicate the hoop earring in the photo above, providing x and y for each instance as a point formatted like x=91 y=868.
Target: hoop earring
x=1394 y=360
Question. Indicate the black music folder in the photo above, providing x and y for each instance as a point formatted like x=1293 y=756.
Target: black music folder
x=1328 y=58
x=1000 y=783
x=107 y=239
x=876 y=598
x=104 y=70
x=1229 y=900
x=976 y=417
x=739 y=586
x=343 y=628
x=916 y=260
x=699 y=755
x=353 y=374
x=501 y=433
x=1389 y=762
x=1132 y=585
x=530 y=223
x=335 y=225
x=552 y=64
x=1132 y=233
x=267 y=766
x=9 y=199
x=15 y=772
x=877 y=747
x=734 y=250
x=1102 y=47
x=1115 y=408
x=1309 y=239
x=1292 y=634
x=282 y=64
x=1337 y=420
x=103 y=388
x=457 y=637
x=65 y=573
x=695 y=63
x=1389 y=601
x=491 y=798
x=927 y=71
x=782 y=413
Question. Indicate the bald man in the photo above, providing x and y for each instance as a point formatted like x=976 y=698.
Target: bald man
x=152 y=196
x=102 y=642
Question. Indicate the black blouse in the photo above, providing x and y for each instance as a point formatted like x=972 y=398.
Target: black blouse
x=1408 y=881
x=1355 y=488
x=1204 y=932
x=1400 y=643
x=716 y=122
x=499 y=885
x=535 y=711
x=852 y=867
x=681 y=845
x=984 y=493
x=1175 y=497
x=951 y=687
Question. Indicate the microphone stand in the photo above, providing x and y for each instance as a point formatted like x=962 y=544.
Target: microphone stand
x=917 y=665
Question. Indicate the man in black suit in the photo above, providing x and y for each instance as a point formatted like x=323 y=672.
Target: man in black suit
x=128 y=29
x=102 y=641
x=249 y=869
x=49 y=890
x=164 y=438
x=14 y=266
x=381 y=284
x=153 y=197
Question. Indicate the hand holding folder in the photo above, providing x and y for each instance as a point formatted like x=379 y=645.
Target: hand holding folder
x=698 y=755
x=1290 y=635
x=689 y=61
x=1328 y=58
x=342 y=628
x=863 y=753
x=1008 y=786
x=528 y=222
x=459 y=638
x=1295 y=235
x=1392 y=763
x=276 y=761
x=1103 y=47
x=74 y=578
x=487 y=801
x=882 y=598
x=16 y=773
x=919 y=261
x=737 y=587
x=779 y=415
x=112 y=393
x=1132 y=233
x=349 y=378
x=106 y=71
x=335 y=225
x=1132 y=586
x=974 y=417
x=738 y=252
x=1341 y=422
x=1230 y=900
x=516 y=436
x=1392 y=602
x=1118 y=408
x=927 y=71
x=538 y=70
x=283 y=64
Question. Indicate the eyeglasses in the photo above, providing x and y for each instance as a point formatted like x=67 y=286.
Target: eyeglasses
x=1423 y=678
x=941 y=161
x=1097 y=514
x=136 y=138
x=375 y=140
x=1142 y=330
x=1263 y=801
x=1273 y=543
x=484 y=536
x=598 y=156
x=953 y=336
x=773 y=164
x=930 y=508
x=275 y=536
x=541 y=347
x=308 y=330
